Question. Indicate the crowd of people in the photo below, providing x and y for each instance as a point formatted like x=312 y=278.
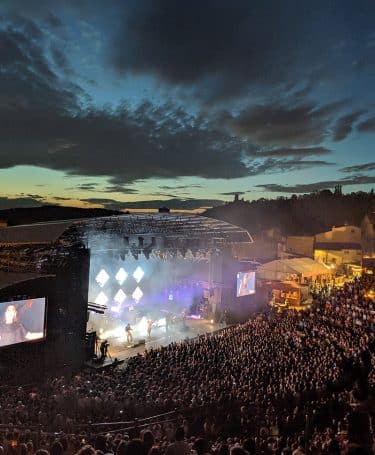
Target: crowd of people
x=290 y=382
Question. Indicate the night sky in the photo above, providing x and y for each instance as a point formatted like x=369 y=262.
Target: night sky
x=144 y=101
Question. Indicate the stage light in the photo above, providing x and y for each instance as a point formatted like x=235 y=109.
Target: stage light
x=137 y=294
x=120 y=296
x=121 y=276
x=138 y=274
x=102 y=277
x=101 y=299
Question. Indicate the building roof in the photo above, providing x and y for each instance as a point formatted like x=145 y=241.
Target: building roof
x=336 y=246
x=344 y=228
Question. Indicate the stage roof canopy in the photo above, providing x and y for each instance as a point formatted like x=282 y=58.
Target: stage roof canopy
x=11 y=278
x=168 y=226
x=37 y=233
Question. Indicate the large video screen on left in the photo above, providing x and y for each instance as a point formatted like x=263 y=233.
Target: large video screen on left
x=22 y=321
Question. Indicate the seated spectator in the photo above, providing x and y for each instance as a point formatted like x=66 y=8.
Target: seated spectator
x=179 y=447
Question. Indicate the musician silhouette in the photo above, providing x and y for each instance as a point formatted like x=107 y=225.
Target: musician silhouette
x=103 y=350
x=129 y=334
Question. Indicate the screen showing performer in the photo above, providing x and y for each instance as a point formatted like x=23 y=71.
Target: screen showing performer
x=245 y=283
x=22 y=321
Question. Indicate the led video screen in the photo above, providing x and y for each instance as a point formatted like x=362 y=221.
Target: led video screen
x=22 y=321
x=245 y=283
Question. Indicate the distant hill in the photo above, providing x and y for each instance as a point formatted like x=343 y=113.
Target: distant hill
x=19 y=216
x=297 y=215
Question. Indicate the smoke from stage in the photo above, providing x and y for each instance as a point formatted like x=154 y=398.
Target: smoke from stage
x=167 y=289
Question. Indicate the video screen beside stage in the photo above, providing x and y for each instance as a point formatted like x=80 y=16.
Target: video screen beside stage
x=245 y=283
x=22 y=321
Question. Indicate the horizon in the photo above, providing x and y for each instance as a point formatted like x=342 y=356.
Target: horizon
x=139 y=103
x=132 y=207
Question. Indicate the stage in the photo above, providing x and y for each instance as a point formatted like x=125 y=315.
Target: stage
x=120 y=349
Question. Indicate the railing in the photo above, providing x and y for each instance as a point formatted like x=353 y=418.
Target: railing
x=98 y=428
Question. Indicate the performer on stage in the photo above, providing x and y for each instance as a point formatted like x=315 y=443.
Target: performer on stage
x=183 y=317
x=103 y=350
x=149 y=327
x=129 y=333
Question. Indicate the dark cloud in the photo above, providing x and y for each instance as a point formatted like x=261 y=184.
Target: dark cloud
x=367 y=126
x=233 y=193
x=35 y=196
x=85 y=187
x=120 y=189
x=42 y=124
x=165 y=195
x=274 y=166
x=27 y=27
x=174 y=204
x=278 y=125
x=359 y=168
x=50 y=129
x=46 y=9
x=161 y=35
x=126 y=145
x=317 y=186
x=220 y=49
x=61 y=198
x=344 y=125
x=53 y=21
x=60 y=60
x=293 y=151
x=300 y=92
x=179 y=187
x=27 y=79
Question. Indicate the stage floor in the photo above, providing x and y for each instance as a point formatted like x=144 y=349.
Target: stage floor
x=120 y=349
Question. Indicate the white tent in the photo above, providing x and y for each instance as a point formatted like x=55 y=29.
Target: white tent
x=289 y=269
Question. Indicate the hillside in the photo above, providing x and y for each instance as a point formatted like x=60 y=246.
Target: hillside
x=18 y=216
x=297 y=215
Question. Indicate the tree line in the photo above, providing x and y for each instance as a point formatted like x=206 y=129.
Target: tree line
x=305 y=214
